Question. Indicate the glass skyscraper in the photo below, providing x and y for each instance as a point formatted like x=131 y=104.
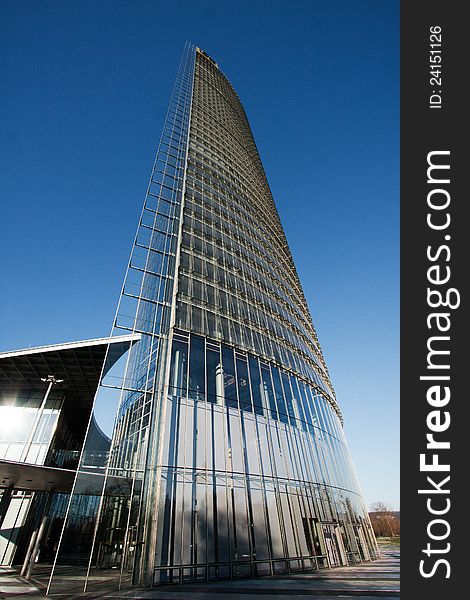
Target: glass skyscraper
x=227 y=456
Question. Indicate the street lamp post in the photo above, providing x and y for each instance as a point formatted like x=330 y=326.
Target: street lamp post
x=35 y=543
x=50 y=380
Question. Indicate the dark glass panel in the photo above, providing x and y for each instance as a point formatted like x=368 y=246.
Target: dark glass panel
x=196 y=318
x=255 y=385
x=213 y=371
x=230 y=390
x=179 y=362
x=281 y=404
x=243 y=385
x=196 y=368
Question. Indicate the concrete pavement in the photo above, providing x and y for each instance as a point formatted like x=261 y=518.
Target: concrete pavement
x=378 y=579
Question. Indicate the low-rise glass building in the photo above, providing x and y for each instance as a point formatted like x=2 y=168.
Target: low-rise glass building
x=46 y=399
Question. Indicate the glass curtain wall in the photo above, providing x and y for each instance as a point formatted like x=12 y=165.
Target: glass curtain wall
x=256 y=474
x=228 y=456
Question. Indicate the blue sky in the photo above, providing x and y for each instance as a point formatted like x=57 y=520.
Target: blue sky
x=85 y=89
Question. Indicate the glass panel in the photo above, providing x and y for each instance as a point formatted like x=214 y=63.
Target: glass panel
x=255 y=385
x=276 y=539
x=309 y=417
x=318 y=407
x=268 y=393
x=312 y=404
x=243 y=385
x=251 y=445
x=299 y=409
x=260 y=532
x=236 y=452
x=196 y=368
x=288 y=396
x=179 y=365
x=230 y=389
x=279 y=395
x=214 y=375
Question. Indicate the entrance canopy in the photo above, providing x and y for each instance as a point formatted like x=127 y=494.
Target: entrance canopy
x=79 y=366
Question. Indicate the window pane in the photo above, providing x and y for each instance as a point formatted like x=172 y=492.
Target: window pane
x=179 y=362
x=196 y=368
x=268 y=392
x=279 y=395
x=303 y=397
x=230 y=391
x=297 y=399
x=255 y=385
x=214 y=376
x=288 y=396
x=243 y=387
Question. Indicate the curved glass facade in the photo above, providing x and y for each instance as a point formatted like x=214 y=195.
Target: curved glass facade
x=228 y=456
x=237 y=280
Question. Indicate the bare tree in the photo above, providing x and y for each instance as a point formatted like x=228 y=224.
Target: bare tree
x=385 y=521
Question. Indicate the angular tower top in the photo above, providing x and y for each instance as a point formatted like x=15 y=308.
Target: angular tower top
x=207 y=56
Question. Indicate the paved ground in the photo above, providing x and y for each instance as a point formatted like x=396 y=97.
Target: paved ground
x=13 y=585
x=378 y=579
